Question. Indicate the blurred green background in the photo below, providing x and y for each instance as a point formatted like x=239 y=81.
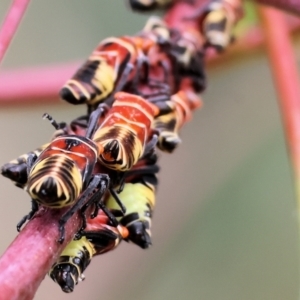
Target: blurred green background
x=225 y=223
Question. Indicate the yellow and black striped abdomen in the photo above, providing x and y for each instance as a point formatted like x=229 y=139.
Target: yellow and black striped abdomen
x=68 y=269
x=55 y=181
x=139 y=200
x=167 y=125
x=122 y=148
x=92 y=83
x=16 y=170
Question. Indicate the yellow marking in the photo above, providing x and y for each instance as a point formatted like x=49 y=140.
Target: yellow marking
x=55 y=174
x=74 y=247
x=123 y=132
x=158 y=27
x=146 y=2
x=79 y=86
x=177 y=99
x=104 y=80
x=135 y=151
x=107 y=55
x=125 y=44
x=135 y=197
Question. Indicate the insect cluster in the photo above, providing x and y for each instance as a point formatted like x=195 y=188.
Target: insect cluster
x=139 y=91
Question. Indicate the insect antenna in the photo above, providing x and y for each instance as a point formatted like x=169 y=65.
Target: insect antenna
x=53 y=122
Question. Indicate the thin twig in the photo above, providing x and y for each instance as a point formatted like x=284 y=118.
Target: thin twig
x=44 y=82
x=11 y=23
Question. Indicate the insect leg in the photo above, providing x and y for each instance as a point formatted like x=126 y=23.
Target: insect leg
x=96 y=199
x=93 y=121
x=151 y=145
x=95 y=190
x=118 y=200
x=34 y=209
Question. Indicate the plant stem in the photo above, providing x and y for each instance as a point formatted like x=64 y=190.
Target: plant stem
x=11 y=23
x=286 y=79
x=28 y=259
x=285 y=74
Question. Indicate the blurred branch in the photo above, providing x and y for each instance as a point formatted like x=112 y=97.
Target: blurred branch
x=42 y=84
x=291 y=6
x=11 y=23
x=285 y=74
x=286 y=78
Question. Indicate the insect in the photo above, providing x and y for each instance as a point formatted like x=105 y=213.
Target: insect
x=115 y=62
x=184 y=62
x=62 y=172
x=100 y=237
x=64 y=169
x=217 y=19
x=125 y=131
x=168 y=125
x=138 y=195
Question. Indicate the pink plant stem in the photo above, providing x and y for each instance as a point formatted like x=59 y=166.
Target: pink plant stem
x=11 y=23
x=291 y=6
x=30 y=256
x=284 y=69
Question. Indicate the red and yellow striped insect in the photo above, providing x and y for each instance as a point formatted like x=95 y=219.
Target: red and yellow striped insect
x=217 y=19
x=100 y=237
x=62 y=174
x=125 y=131
x=116 y=64
x=168 y=125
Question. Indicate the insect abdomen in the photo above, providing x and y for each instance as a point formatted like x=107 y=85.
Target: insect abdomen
x=16 y=170
x=125 y=131
x=68 y=269
x=55 y=181
x=139 y=200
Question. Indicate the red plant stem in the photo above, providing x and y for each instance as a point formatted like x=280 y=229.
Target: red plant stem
x=284 y=69
x=29 y=257
x=11 y=23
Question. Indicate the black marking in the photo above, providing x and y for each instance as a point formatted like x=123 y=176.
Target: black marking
x=218 y=26
x=70 y=143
